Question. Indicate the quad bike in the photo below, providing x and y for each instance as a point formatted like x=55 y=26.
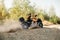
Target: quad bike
x=30 y=22
x=37 y=22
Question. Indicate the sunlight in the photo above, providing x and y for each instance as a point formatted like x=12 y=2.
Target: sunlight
x=44 y=4
x=8 y=3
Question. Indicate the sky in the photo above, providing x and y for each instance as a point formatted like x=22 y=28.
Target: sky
x=44 y=4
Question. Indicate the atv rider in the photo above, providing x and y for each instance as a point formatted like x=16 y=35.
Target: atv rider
x=38 y=20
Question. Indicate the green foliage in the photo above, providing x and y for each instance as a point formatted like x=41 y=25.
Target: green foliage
x=22 y=8
x=53 y=19
x=46 y=17
x=58 y=20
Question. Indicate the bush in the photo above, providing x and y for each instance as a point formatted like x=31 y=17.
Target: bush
x=58 y=20
x=46 y=17
x=54 y=19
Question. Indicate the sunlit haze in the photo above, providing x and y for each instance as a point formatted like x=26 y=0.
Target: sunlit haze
x=44 y=4
x=8 y=3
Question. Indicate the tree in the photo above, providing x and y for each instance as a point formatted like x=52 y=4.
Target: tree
x=52 y=14
x=20 y=8
x=52 y=11
x=1 y=8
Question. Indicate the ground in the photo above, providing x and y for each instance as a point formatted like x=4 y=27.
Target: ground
x=32 y=34
x=51 y=32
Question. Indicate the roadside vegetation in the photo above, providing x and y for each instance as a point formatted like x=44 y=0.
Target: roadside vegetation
x=22 y=8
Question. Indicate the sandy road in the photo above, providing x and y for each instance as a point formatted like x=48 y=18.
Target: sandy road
x=14 y=25
x=53 y=26
x=51 y=32
x=6 y=28
x=33 y=34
